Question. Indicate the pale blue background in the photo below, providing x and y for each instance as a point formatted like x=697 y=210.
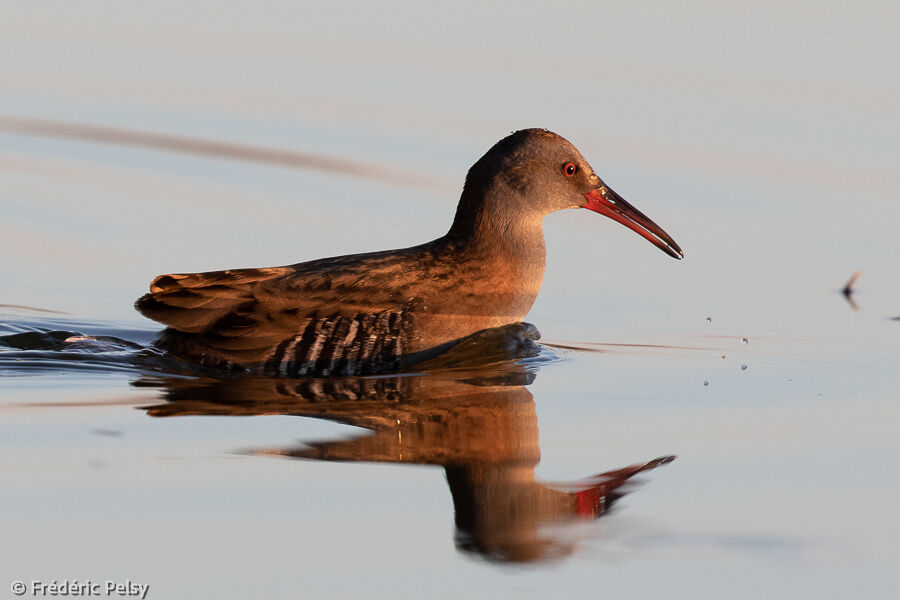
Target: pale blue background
x=763 y=136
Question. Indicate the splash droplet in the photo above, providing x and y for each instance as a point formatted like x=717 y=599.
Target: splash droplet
x=744 y=367
x=705 y=382
x=745 y=341
x=709 y=319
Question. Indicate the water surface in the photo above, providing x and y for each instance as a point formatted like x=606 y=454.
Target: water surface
x=135 y=142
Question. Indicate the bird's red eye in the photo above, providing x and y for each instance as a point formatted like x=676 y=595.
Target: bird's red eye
x=569 y=169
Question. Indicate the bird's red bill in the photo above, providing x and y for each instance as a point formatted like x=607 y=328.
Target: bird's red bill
x=605 y=201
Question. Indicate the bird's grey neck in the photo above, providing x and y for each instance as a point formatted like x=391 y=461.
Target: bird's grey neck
x=495 y=224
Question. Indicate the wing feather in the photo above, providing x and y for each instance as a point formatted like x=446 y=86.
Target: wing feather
x=297 y=320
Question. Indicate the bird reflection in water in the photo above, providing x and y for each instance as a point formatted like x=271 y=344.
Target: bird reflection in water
x=480 y=425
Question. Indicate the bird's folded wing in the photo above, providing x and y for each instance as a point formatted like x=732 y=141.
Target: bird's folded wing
x=280 y=315
x=206 y=302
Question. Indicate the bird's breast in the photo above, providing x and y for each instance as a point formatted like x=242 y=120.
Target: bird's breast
x=477 y=297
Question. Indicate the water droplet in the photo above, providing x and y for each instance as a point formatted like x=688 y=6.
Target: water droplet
x=705 y=382
x=709 y=319
x=744 y=367
x=745 y=341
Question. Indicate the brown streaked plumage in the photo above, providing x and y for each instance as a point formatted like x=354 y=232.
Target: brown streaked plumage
x=383 y=311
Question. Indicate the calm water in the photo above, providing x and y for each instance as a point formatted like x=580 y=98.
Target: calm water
x=765 y=139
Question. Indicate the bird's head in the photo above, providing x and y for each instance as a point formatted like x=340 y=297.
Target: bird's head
x=533 y=172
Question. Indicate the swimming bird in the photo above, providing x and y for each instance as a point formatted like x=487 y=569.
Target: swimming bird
x=385 y=311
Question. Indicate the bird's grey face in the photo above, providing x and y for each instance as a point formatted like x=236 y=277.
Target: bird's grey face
x=545 y=171
x=549 y=174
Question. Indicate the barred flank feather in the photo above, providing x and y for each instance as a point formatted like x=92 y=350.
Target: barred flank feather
x=339 y=345
x=279 y=321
